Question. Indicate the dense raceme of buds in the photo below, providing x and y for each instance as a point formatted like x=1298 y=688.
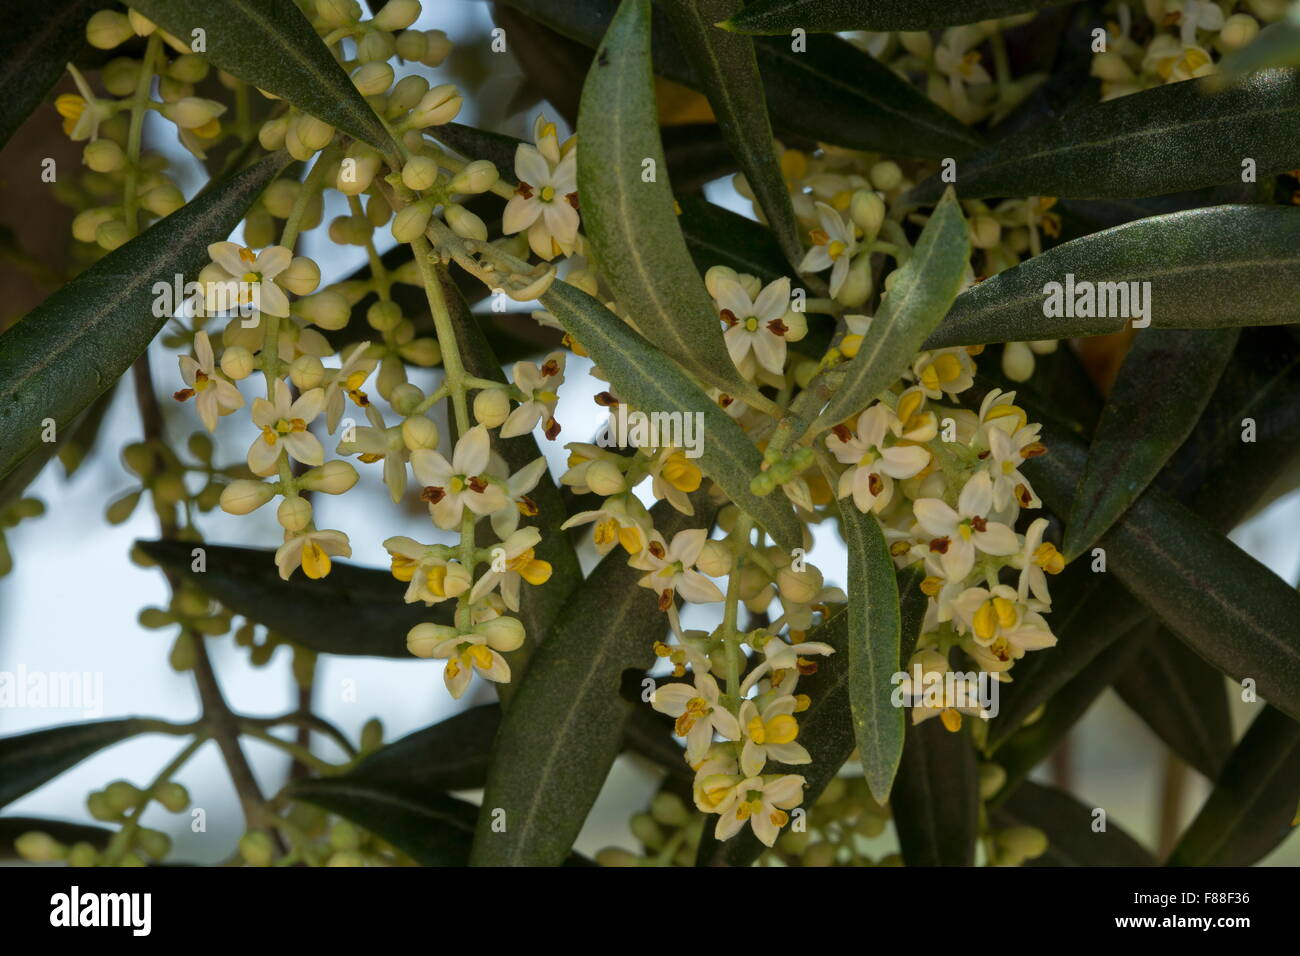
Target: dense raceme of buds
x=940 y=474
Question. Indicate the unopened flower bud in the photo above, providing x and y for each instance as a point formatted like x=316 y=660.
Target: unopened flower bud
x=384 y=316
x=424 y=352
x=985 y=232
x=86 y=224
x=868 y=211
x=39 y=847
x=302 y=277
x=372 y=79
x=478 y=177
x=406 y=94
x=440 y=105
x=715 y=276
x=271 y=134
x=419 y=431
x=375 y=46
x=112 y=234
x=668 y=809
x=294 y=513
x=243 y=496
x=397 y=15
x=886 y=175
x=338 y=13
x=191 y=112
x=103 y=156
x=108 y=29
x=1238 y=30
x=409 y=223
x=256 y=848
x=328 y=309
x=1017 y=361
x=162 y=200
x=505 y=634
x=188 y=68
x=799 y=587
x=715 y=559
x=237 y=362
x=174 y=796
x=420 y=172
x=332 y=478
x=464 y=223
x=423 y=638
x=491 y=407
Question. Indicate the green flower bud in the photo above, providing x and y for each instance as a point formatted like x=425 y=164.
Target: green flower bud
x=668 y=809
x=256 y=848
x=464 y=223
x=373 y=79
x=122 y=795
x=424 y=352
x=121 y=510
x=173 y=796
x=294 y=513
x=332 y=478
x=478 y=177
x=419 y=432
x=411 y=222
x=645 y=829
x=397 y=15
x=154 y=843
x=39 y=847
x=244 y=495
x=307 y=372
x=237 y=362
x=328 y=309
x=440 y=105
x=420 y=172
x=108 y=29
x=384 y=316
x=491 y=407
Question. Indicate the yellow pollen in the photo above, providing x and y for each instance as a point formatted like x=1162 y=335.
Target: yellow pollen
x=269 y=435
x=782 y=729
x=682 y=473
x=481 y=657
x=1006 y=612
x=986 y=621
x=435 y=580
x=757 y=732
x=403 y=567
x=630 y=539
x=779 y=817
x=951 y=720
x=964 y=530
x=1008 y=411
x=850 y=344
x=835 y=249
x=606 y=531
x=315 y=562
x=354 y=381
x=931 y=585
x=1048 y=558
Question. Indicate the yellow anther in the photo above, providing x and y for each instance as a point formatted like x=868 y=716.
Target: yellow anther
x=481 y=656
x=403 y=567
x=951 y=720
x=782 y=729
x=682 y=473
x=850 y=344
x=1006 y=611
x=986 y=621
x=1048 y=558
x=835 y=249
x=931 y=585
x=315 y=562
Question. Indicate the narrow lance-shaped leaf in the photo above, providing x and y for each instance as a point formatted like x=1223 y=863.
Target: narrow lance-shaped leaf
x=779 y=17
x=936 y=797
x=1253 y=806
x=29 y=760
x=564 y=726
x=37 y=43
x=719 y=237
x=627 y=206
x=354 y=611
x=828 y=90
x=650 y=382
x=1163 y=140
x=271 y=45
x=1163 y=386
x=874 y=634
x=921 y=295
x=1277 y=45
x=1207 y=268
x=1183 y=699
x=76 y=343
x=728 y=70
x=1225 y=605
x=1068 y=824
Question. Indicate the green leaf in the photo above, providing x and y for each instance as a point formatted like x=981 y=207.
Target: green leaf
x=831 y=92
x=68 y=350
x=779 y=17
x=936 y=799
x=432 y=828
x=1252 y=807
x=627 y=206
x=29 y=760
x=1163 y=386
x=37 y=43
x=565 y=723
x=728 y=71
x=65 y=831
x=450 y=755
x=1072 y=841
x=1170 y=138
x=650 y=382
x=874 y=634
x=271 y=45
x=719 y=237
x=1181 y=698
x=355 y=611
x=922 y=293
x=1225 y=605
x=1208 y=268
x=1277 y=45
x=1031 y=745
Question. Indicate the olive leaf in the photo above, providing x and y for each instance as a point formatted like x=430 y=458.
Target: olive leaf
x=922 y=292
x=37 y=43
x=728 y=71
x=565 y=723
x=828 y=91
x=355 y=611
x=433 y=829
x=1207 y=268
x=627 y=206
x=1162 y=140
x=1225 y=605
x=271 y=45
x=719 y=237
x=1253 y=805
x=936 y=800
x=29 y=760
x=779 y=17
x=1068 y=824
x=875 y=628
x=1183 y=699
x=1163 y=386
x=649 y=381
x=1277 y=45
x=68 y=350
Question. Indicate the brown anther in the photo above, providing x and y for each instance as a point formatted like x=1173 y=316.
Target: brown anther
x=819 y=237
x=729 y=317
x=777 y=327
x=805 y=666
x=657 y=550
x=841 y=432
x=550 y=368
x=478 y=484
x=665 y=600
x=552 y=429
x=527 y=506
x=433 y=494
x=524 y=190
x=1033 y=450
x=605 y=400
x=572 y=200
x=874 y=483
x=974 y=349
x=979 y=524
x=899 y=548
x=724 y=399
x=1023 y=496
x=183 y=394
x=939 y=545
x=982 y=455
